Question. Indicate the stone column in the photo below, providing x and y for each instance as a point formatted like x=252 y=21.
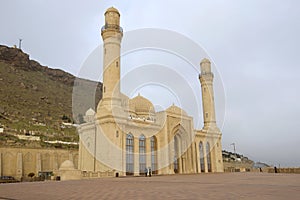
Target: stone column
x=38 y=163
x=214 y=159
x=0 y=164
x=19 y=172
x=124 y=153
x=205 y=159
x=194 y=157
x=180 y=158
x=136 y=157
x=191 y=160
x=183 y=168
x=171 y=156
x=55 y=162
x=71 y=156
x=148 y=153
x=198 y=157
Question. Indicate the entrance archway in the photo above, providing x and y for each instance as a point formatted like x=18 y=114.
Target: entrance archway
x=176 y=154
x=201 y=153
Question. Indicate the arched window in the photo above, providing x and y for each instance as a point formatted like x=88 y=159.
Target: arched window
x=153 y=154
x=176 y=155
x=142 y=153
x=208 y=157
x=129 y=154
x=201 y=153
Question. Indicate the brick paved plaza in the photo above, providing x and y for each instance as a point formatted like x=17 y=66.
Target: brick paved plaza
x=202 y=186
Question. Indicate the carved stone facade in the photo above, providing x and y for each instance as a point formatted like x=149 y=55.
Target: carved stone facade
x=126 y=136
x=19 y=162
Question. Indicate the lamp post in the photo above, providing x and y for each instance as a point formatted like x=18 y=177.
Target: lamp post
x=233 y=144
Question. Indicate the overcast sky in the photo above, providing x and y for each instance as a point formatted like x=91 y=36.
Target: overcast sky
x=254 y=45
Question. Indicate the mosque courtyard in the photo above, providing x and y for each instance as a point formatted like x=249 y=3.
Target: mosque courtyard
x=200 y=186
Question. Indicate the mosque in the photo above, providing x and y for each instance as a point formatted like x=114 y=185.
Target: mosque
x=124 y=136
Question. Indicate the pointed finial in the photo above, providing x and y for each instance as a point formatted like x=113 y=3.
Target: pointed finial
x=205 y=60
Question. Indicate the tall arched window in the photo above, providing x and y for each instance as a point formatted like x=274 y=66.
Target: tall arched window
x=153 y=154
x=201 y=153
x=208 y=157
x=176 y=155
x=129 y=154
x=142 y=153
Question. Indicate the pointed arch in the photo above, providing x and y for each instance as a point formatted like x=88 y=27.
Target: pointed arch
x=28 y=164
x=179 y=129
x=201 y=154
x=142 y=153
x=129 y=154
x=28 y=157
x=176 y=153
x=9 y=164
x=153 y=143
x=208 y=156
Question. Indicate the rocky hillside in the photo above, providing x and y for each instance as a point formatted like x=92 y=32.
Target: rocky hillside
x=38 y=99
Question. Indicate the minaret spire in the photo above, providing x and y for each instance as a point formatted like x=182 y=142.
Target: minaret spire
x=206 y=79
x=112 y=35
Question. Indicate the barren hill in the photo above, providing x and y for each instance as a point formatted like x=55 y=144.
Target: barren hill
x=36 y=99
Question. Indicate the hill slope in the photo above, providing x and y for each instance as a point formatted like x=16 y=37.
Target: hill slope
x=35 y=98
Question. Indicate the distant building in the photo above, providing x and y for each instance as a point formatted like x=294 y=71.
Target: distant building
x=29 y=137
x=234 y=162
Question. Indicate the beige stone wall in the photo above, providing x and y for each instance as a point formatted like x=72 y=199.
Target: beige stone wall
x=238 y=166
x=19 y=162
x=284 y=170
x=110 y=148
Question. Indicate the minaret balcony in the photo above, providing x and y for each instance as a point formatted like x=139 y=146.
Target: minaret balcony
x=112 y=27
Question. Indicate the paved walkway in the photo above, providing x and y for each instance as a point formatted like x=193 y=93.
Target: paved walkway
x=202 y=186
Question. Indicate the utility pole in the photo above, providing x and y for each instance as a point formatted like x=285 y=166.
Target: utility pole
x=235 y=159
x=20 y=43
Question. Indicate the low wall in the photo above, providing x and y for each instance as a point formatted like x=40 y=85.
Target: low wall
x=285 y=170
x=19 y=162
x=97 y=174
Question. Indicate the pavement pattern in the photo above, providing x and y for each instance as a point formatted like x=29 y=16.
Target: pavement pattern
x=198 y=186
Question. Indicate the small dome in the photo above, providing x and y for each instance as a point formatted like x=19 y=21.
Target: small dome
x=90 y=112
x=205 y=60
x=67 y=165
x=176 y=110
x=112 y=9
x=141 y=105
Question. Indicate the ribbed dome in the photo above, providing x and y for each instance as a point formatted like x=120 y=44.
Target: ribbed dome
x=205 y=60
x=141 y=105
x=112 y=9
x=67 y=165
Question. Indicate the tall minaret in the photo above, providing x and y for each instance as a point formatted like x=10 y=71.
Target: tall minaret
x=112 y=35
x=206 y=79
